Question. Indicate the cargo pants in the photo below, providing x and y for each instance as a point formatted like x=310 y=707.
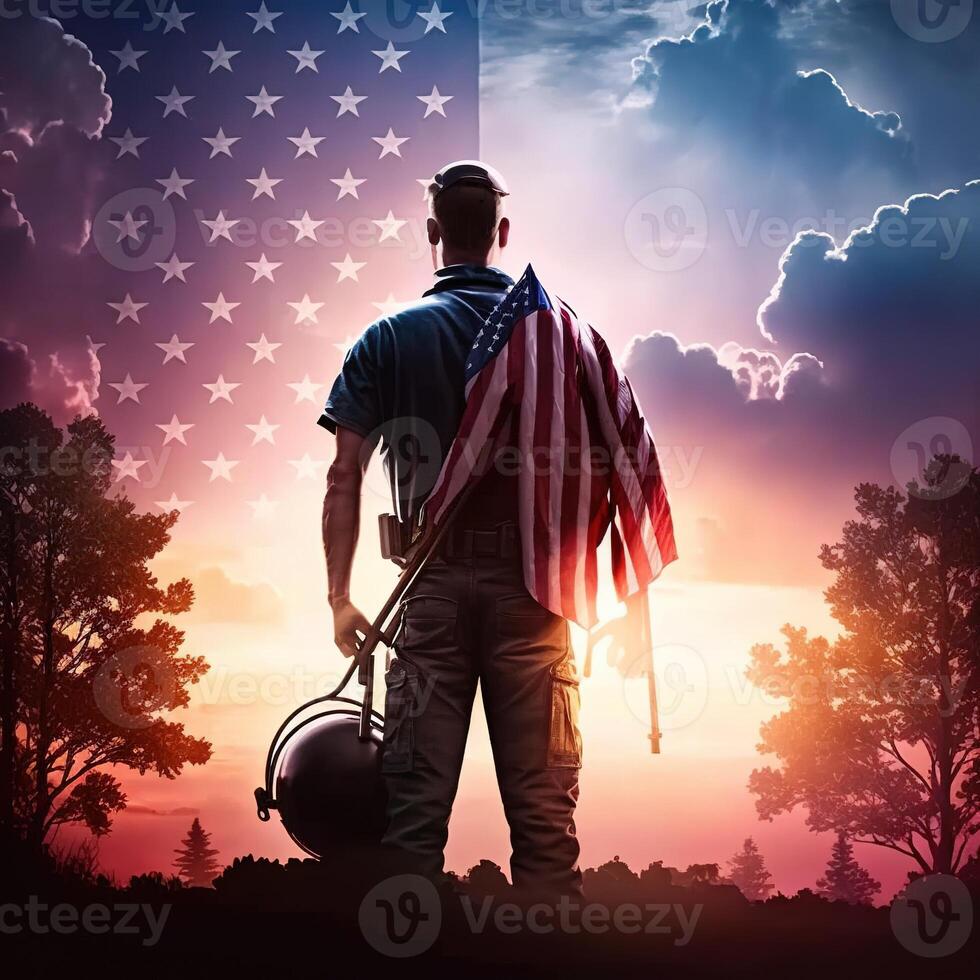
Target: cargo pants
x=470 y=620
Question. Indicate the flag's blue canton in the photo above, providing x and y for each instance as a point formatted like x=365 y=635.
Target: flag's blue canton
x=525 y=297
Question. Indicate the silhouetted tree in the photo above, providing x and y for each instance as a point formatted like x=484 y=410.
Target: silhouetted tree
x=696 y=874
x=845 y=880
x=81 y=685
x=486 y=878
x=880 y=737
x=748 y=872
x=655 y=877
x=196 y=858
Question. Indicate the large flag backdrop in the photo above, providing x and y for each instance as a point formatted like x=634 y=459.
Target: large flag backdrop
x=199 y=211
x=257 y=202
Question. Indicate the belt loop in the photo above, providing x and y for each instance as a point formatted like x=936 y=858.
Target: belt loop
x=506 y=539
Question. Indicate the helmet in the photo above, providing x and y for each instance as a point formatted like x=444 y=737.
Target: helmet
x=328 y=784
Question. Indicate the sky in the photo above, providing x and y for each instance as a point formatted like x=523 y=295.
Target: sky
x=769 y=211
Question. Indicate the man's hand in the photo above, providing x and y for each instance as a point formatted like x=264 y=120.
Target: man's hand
x=348 y=622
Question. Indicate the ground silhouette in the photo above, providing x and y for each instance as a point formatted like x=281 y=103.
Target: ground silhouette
x=264 y=916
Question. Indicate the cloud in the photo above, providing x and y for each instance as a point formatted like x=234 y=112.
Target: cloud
x=735 y=82
x=139 y=810
x=220 y=599
x=564 y=45
x=50 y=76
x=862 y=341
x=891 y=311
x=16 y=234
x=54 y=387
x=54 y=177
x=52 y=162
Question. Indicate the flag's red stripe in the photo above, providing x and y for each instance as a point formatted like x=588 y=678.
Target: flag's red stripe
x=543 y=358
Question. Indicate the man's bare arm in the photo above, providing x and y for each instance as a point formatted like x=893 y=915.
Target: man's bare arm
x=341 y=523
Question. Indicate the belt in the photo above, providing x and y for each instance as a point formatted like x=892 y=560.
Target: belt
x=501 y=541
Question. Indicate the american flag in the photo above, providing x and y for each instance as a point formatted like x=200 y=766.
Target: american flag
x=256 y=203
x=540 y=380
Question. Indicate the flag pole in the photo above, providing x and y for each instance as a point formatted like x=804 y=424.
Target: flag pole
x=646 y=639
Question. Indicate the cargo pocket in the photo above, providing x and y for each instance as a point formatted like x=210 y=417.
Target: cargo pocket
x=564 y=738
x=402 y=681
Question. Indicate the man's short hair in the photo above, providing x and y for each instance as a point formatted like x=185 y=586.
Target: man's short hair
x=468 y=213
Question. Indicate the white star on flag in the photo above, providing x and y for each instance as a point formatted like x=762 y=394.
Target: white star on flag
x=220 y=467
x=128 y=309
x=128 y=143
x=263 y=18
x=348 y=184
x=174 y=430
x=389 y=58
x=220 y=308
x=263 y=103
x=434 y=102
x=348 y=19
x=220 y=57
x=263 y=184
x=348 y=268
x=128 y=390
x=174 y=349
x=220 y=143
x=348 y=102
x=305 y=143
x=263 y=269
x=128 y=58
x=305 y=58
x=221 y=389
x=174 y=19
x=390 y=305
x=263 y=431
x=174 y=102
x=305 y=227
x=306 y=309
x=173 y=268
x=174 y=184
x=264 y=350
x=263 y=507
x=127 y=226
x=390 y=143
x=128 y=467
x=173 y=504
x=390 y=226
x=306 y=467
x=220 y=226
x=305 y=390
x=434 y=19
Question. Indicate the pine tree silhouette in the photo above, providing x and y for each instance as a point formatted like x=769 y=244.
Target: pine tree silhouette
x=845 y=880
x=748 y=872
x=196 y=859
